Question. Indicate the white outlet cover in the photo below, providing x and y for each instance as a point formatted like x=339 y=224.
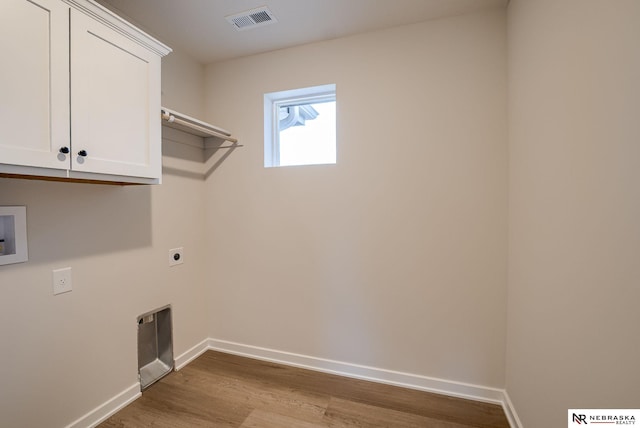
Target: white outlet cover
x=62 y=281
x=176 y=256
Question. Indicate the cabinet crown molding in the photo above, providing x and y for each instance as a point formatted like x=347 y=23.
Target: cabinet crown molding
x=113 y=21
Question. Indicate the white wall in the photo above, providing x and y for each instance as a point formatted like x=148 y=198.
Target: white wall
x=182 y=84
x=395 y=257
x=574 y=276
x=64 y=355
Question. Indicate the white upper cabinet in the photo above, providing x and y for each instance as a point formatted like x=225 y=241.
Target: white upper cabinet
x=34 y=83
x=115 y=99
x=80 y=96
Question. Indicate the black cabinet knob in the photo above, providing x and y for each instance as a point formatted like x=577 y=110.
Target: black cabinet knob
x=64 y=150
x=82 y=153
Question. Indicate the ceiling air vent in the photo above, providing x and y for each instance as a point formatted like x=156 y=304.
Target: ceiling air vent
x=252 y=18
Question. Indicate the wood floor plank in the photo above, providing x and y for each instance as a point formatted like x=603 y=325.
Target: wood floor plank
x=345 y=413
x=224 y=390
x=255 y=394
x=263 y=419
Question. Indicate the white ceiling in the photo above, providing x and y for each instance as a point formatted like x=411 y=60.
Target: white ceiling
x=199 y=28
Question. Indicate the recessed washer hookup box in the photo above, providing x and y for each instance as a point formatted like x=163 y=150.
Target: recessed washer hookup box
x=155 y=346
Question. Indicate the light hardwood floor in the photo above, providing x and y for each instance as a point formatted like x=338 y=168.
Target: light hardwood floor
x=222 y=390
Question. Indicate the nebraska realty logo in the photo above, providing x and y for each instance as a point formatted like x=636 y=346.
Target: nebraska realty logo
x=598 y=417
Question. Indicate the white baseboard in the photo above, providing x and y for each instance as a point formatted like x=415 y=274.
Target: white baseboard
x=115 y=404
x=405 y=380
x=510 y=411
x=102 y=412
x=190 y=355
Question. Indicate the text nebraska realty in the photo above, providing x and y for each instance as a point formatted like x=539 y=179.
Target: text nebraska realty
x=605 y=419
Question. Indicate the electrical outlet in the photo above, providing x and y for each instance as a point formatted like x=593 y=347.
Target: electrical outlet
x=176 y=256
x=61 y=281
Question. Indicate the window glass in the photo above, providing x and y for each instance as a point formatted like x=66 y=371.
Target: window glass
x=310 y=142
x=300 y=127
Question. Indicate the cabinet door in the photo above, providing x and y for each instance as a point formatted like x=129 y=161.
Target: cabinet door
x=115 y=102
x=34 y=83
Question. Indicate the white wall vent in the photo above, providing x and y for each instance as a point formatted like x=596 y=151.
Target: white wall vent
x=252 y=18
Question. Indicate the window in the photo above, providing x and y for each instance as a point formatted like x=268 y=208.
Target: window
x=300 y=126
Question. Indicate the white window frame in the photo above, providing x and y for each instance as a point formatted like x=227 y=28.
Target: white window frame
x=272 y=103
